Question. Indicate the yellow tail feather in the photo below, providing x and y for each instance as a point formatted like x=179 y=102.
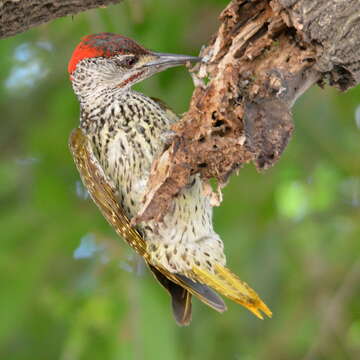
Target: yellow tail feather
x=229 y=285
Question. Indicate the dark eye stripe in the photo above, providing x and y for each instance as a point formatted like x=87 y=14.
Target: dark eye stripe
x=127 y=62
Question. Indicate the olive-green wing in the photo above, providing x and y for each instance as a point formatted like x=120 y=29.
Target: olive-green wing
x=102 y=190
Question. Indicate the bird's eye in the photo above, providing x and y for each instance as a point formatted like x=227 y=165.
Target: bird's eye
x=127 y=62
x=130 y=61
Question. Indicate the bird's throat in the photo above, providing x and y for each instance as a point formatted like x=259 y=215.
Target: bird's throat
x=131 y=79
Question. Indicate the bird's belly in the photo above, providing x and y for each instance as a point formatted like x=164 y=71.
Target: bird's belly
x=129 y=169
x=186 y=236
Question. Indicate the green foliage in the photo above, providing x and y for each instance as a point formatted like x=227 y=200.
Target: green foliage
x=292 y=233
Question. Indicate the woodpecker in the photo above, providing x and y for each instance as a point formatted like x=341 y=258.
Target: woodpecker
x=121 y=132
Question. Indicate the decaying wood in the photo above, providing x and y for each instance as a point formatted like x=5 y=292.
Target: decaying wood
x=263 y=57
x=20 y=15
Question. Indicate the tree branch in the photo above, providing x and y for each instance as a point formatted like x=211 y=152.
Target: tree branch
x=18 y=16
x=263 y=57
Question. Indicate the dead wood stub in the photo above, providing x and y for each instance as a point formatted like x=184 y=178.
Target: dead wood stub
x=268 y=127
x=255 y=65
x=259 y=62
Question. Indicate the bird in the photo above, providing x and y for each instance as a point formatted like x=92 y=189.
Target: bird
x=120 y=134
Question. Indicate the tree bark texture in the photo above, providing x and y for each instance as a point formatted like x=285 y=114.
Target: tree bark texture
x=17 y=16
x=263 y=57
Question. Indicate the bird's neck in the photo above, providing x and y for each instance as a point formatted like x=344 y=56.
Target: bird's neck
x=91 y=92
x=127 y=109
x=92 y=84
x=98 y=104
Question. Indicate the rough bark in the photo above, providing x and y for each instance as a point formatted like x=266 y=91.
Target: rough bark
x=20 y=15
x=263 y=57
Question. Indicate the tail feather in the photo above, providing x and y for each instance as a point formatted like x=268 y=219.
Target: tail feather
x=180 y=297
x=228 y=284
x=203 y=293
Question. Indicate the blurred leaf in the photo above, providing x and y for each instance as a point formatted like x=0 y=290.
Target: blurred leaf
x=292 y=201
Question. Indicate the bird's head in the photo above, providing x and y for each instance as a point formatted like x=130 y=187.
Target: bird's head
x=112 y=60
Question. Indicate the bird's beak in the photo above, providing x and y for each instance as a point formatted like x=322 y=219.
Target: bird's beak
x=164 y=60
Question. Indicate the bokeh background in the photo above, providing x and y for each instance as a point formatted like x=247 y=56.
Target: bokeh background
x=70 y=289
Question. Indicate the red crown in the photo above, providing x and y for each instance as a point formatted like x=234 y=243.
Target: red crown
x=103 y=45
